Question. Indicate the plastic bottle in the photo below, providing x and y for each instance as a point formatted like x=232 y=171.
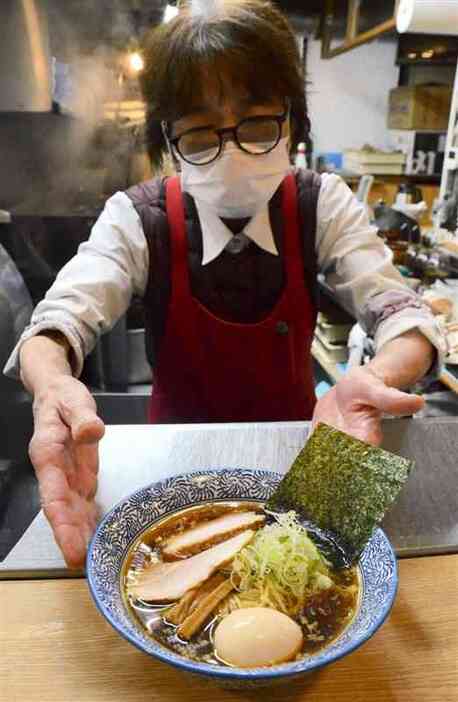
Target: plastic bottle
x=301 y=160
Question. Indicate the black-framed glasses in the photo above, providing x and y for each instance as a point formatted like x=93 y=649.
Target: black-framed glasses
x=254 y=135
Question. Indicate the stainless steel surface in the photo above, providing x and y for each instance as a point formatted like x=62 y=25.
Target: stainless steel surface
x=138 y=368
x=25 y=78
x=424 y=521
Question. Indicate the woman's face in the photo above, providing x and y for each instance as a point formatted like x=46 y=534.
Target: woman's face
x=218 y=115
x=227 y=114
x=258 y=128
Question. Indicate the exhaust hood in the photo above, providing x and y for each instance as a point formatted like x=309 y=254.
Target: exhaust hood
x=25 y=76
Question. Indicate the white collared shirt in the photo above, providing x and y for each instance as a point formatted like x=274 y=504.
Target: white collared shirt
x=94 y=289
x=216 y=236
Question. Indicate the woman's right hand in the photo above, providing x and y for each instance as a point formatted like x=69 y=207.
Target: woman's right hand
x=64 y=453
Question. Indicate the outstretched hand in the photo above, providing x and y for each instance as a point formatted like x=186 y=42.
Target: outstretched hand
x=358 y=401
x=64 y=452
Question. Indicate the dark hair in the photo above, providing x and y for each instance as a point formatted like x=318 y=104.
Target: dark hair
x=245 y=44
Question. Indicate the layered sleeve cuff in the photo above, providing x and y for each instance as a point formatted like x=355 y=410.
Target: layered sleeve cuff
x=394 y=312
x=66 y=327
x=414 y=318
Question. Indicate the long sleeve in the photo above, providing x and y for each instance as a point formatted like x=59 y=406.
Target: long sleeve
x=94 y=289
x=358 y=267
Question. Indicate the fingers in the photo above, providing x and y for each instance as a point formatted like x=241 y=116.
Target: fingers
x=64 y=452
x=86 y=427
x=86 y=461
x=78 y=410
x=361 y=388
x=394 y=401
x=53 y=446
x=356 y=405
x=73 y=546
x=73 y=539
x=72 y=517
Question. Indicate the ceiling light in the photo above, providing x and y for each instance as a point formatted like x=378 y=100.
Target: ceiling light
x=136 y=63
x=170 y=12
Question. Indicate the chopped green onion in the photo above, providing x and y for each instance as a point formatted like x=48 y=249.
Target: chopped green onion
x=280 y=568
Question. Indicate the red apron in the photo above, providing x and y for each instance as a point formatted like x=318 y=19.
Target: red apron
x=210 y=370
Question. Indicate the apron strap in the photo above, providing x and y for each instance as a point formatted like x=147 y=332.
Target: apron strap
x=294 y=257
x=178 y=238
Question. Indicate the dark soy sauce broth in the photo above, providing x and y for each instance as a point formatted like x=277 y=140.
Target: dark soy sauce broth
x=323 y=619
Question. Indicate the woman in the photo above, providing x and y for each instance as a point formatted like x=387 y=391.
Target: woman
x=225 y=258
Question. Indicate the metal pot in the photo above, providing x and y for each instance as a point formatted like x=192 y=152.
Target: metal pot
x=138 y=368
x=394 y=225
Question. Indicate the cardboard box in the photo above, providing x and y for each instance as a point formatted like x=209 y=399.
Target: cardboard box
x=420 y=107
x=424 y=151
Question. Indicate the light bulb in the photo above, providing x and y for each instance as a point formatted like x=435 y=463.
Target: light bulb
x=170 y=12
x=136 y=62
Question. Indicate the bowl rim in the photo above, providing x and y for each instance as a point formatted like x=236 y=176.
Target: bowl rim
x=228 y=673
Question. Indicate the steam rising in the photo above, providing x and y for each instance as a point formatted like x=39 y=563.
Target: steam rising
x=66 y=161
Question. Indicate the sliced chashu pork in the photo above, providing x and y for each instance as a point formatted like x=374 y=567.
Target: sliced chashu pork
x=210 y=533
x=166 y=582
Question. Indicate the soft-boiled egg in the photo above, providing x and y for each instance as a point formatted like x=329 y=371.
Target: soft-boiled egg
x=257 y=636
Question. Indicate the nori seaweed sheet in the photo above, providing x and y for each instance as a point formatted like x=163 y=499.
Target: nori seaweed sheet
x=341 y=485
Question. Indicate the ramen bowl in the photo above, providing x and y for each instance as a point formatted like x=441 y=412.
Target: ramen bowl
x=124 y=524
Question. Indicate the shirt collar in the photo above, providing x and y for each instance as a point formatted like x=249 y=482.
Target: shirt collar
x=216 y=235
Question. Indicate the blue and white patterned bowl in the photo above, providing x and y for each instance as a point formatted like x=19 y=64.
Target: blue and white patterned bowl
x=128 y=519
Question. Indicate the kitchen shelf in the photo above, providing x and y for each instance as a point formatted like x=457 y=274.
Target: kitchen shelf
x=450 y=378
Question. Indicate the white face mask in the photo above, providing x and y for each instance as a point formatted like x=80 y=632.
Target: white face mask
x=237 y=184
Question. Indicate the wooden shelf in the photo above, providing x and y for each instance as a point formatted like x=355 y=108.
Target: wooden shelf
x=448 y=378
x=419 y=178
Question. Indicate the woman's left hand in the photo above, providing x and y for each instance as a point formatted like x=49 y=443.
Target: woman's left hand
x=357 y=402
